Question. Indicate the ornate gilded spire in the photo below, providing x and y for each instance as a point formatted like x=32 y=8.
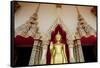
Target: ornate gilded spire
x=82 y=26
x=32 y=22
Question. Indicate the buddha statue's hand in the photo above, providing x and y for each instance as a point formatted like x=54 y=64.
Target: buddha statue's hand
x=51 y=51
x=51 y=46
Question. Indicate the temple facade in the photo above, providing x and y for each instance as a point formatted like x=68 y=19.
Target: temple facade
x=36 y=26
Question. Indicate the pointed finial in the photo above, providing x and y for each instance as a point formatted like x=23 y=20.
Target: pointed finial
x=58 y=34
x=77 y=11
x=38 y=8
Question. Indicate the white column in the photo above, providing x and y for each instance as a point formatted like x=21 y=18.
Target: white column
x=80 y=51
x=31 y=61
x=45 y=44
x=71 y=53
x=43 y=60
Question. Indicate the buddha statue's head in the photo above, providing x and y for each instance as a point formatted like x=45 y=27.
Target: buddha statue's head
x=58 y=36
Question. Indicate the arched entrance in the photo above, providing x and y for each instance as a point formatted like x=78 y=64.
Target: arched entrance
x=57 y=29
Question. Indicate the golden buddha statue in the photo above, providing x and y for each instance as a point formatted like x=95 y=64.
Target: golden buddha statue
x=57 y=50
